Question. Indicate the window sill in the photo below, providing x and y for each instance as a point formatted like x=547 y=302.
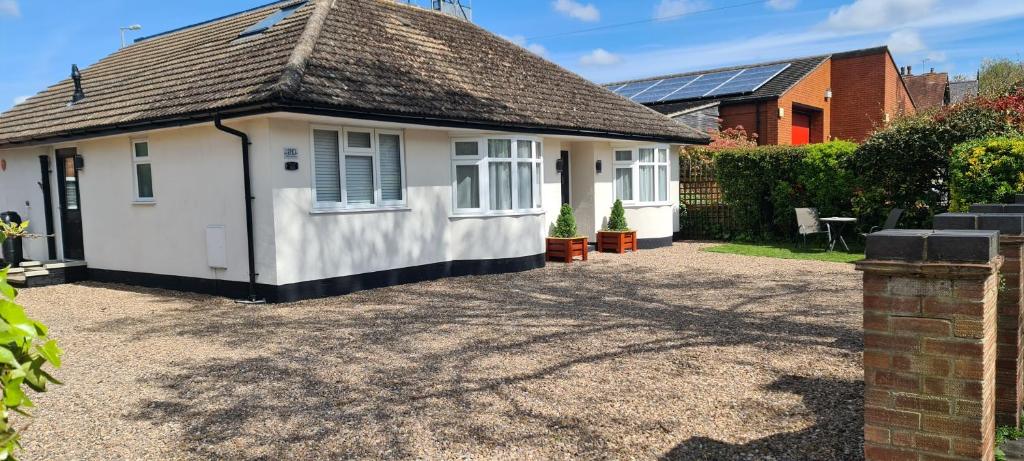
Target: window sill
x=144 y=202
x=383 y=209
x=496 y=214
x=646 y=205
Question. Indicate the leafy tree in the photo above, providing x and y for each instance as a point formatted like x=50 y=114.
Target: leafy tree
x=731 y=138
x=24 y=351
x=989 y=170
x=999 y=77
x=565 y=225
x=617 y=220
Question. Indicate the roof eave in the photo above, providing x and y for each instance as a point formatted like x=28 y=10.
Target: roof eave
x=264 y=108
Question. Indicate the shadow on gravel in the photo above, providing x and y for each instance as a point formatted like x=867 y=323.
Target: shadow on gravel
x=836 y=434
x=450 y=358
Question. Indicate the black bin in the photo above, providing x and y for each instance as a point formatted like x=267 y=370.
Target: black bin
x=12 y=252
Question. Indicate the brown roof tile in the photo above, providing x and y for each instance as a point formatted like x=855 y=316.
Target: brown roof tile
x=927 y=90
x=361 y=58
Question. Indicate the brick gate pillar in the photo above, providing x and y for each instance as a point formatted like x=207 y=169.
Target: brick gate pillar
x=930 y=344
x=1009 y=321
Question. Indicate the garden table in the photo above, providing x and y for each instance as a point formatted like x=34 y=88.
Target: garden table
x=836 y=224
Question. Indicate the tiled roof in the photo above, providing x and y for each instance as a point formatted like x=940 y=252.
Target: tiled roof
x=373 y=59
x=927 y=90
x=961 y=91
x=797 y=70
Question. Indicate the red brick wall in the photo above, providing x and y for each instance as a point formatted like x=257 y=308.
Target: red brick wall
x=867 y=92
x=929 y=365
x=808 y=94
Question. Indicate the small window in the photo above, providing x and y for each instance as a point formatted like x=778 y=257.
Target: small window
x=467 y=149
x=358 y=141
x=506 y=180
x=624 y=184
x=327 y=166
x=142 y=171
x=467 y=187
x=270 y=20
x=641 y=175
x=623 y=155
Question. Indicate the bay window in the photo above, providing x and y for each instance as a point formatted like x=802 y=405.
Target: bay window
x=496 y=175
x=641 y=174
x=357 y=168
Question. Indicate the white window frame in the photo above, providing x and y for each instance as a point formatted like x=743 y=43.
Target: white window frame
x=136 y=161
x=374 y=154
x=634 y=165
x=482 y=162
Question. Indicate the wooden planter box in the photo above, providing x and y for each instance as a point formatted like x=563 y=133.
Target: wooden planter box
x=617 y=242
x=564 y=250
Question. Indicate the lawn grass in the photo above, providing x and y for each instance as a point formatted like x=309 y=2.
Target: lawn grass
x=788 y=251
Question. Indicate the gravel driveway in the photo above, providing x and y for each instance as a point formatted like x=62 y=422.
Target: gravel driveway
x=664 y=354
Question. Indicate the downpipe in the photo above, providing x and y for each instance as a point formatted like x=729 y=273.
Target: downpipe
x=247 y=181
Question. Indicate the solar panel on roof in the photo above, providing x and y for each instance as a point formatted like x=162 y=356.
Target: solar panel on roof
x=663 y=89
x=749 y=81
x=705 y=83
x=630 y=89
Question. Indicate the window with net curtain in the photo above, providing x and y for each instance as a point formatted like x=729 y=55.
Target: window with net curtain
x=357 y=168
x=641 y=174
x=496 y=175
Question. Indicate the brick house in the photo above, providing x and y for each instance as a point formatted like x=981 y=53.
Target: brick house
x=797 y=101
x=934 y=90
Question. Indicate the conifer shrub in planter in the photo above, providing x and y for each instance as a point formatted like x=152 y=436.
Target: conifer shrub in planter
x=617 y=237
x=565 y=244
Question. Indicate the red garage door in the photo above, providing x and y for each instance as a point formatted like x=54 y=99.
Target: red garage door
x=801 y=128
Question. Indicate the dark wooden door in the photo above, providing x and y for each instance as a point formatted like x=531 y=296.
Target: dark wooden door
x=565 y=176
x=70 y=204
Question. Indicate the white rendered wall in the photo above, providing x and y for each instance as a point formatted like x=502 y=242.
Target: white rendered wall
x=20 y=192
x=197 y=181
x=313 y=246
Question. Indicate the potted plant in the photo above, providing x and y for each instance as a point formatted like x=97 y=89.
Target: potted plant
x=617 y=237
x=564 y=244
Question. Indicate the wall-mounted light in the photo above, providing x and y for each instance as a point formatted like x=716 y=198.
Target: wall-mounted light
x=828 y=94
x=558 y=166
x=597 y=166
x=79 y=162
x=782 y=112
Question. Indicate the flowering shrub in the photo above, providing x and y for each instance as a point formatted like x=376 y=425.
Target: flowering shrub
x=989 y=170
x=731 y=138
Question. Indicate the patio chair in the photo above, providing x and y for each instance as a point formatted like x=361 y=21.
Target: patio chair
x=890 y=222
x=808 y=224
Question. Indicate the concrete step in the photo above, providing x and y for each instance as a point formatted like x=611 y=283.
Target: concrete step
x=31 y=264
x=16 y=279
x=15 y=270
x=36 y=272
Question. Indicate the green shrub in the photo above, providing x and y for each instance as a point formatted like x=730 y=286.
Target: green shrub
x=565 y=225
x=905 y=165
x=763 y=185
x=617 y=220
x=24 y=351
x=989 y=170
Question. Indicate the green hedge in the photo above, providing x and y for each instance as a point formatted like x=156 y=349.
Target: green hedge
x=988 y=170
x=762 y=186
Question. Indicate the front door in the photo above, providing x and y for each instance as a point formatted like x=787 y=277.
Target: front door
x=565 y=176
x=70 y=205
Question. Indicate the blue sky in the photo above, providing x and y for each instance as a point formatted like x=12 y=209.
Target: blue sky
x=603 y=40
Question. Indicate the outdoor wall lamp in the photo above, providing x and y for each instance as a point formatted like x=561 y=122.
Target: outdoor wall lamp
x=558 y=166
x=597 y=166
x=782 y=112
x=828 y=94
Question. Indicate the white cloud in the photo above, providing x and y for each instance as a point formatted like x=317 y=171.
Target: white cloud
x=574 y=9
x=535 y=48
x=874 y=14
x=9 y=8
x=600 y=57
x=667 y=9
x=782 y=4
x=21 y=99
x=936 y=56
x=905 y=41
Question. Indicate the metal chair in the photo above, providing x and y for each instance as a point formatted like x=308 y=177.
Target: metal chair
x=808 y=224
x=890 y=221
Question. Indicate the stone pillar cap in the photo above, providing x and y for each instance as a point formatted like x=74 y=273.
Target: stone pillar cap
x=1006 y=224
x=998 y=208
x=919 y=245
